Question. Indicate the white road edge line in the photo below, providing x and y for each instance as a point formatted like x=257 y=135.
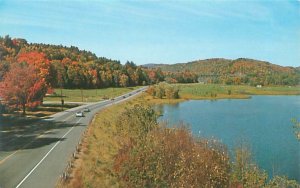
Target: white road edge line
x=46 y=155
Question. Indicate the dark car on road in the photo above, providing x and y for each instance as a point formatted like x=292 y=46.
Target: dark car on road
x=86 y=110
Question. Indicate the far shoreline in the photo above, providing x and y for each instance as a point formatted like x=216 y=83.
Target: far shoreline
x=198 y=91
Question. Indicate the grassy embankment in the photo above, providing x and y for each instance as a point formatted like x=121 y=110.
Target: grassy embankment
x=89 y=95
x=218 y=91
x=98 y=150
x=99 y=147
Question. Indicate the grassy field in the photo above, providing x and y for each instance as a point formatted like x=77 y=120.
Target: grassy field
x=216 y=91
x=207 y=90
x=88 y=95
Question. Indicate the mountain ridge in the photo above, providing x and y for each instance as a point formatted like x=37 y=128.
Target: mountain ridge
x=153 y=65
x=237 y=71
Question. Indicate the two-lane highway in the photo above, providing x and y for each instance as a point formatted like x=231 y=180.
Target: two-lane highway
x=43 y=159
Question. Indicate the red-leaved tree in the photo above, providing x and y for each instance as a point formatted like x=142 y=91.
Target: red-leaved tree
x=39 y=61
x=23 y=87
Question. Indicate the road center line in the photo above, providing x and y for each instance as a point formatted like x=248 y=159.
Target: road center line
x=46 y=155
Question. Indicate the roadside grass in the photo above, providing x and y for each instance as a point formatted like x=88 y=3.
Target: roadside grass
x=98 y=150
x=88 y=95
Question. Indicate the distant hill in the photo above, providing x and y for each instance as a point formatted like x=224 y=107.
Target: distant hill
x=242 y=70
x=152 y=65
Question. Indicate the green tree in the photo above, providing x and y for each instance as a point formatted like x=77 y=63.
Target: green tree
x=160 y=90
x=171 y=92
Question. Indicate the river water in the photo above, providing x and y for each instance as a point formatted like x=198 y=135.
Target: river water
x=264 y=122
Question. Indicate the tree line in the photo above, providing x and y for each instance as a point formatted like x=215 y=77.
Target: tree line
x=45 y=66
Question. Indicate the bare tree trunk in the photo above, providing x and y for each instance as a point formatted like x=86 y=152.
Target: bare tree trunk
x=61 y=99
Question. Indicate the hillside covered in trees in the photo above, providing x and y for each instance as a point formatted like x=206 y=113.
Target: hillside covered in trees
x=69 y=67
x=29 y=70
x=238 y=71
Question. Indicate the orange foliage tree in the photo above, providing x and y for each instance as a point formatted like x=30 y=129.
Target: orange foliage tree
x=22 y=87
x=39 y=62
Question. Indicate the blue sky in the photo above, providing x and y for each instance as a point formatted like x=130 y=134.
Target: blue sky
x=161 y=31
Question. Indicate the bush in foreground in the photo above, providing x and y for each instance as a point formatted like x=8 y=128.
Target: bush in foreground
x=172 y=158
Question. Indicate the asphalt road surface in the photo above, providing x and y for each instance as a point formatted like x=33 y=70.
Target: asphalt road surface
x=38 y=157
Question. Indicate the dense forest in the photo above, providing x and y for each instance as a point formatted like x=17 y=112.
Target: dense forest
x=69 y=67
x=29 y=70
x=239 y=71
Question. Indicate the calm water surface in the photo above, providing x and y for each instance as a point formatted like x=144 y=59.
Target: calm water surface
x=263 y=121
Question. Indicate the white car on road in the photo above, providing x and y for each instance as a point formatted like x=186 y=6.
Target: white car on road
x=79 y=114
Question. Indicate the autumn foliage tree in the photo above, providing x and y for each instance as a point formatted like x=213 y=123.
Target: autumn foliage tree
x=39 y=61
x=23 y=87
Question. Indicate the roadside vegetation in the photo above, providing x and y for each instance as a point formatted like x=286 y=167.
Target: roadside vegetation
x=125 y=146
